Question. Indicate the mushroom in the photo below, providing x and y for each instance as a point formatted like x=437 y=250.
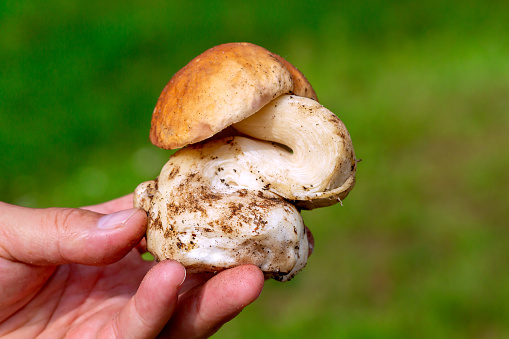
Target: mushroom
x=256 y=148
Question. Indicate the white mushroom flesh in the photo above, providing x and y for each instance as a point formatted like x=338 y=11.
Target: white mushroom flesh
x=209 y=226
x=318 y=156
x=225 y=202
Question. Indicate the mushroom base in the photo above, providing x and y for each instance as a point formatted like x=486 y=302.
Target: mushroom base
x=209 y=231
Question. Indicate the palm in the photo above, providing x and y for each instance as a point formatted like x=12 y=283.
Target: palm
x=79 y=299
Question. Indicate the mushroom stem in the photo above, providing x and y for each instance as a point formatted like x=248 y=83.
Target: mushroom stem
x=321 y=156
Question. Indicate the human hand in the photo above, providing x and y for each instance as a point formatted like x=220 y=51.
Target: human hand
x=76 y=273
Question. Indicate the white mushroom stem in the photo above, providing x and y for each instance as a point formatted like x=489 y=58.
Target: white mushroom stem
x=297 y=149
x=209 y=226
x=322 y=154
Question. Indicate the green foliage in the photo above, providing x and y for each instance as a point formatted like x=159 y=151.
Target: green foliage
x=419 y=248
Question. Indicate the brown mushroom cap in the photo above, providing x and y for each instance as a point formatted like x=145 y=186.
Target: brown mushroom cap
x=218 y=88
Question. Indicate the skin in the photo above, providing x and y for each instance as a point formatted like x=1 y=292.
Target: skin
x=62 y=276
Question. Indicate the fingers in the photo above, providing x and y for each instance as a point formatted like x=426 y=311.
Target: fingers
x=119 y=204
x=204 y=309
x=195 y=279
x=151 y=307
x=63 y=235
x=142 y=246
x=311 y=241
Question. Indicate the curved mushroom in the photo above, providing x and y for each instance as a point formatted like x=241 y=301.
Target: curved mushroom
x=316 y=168
x=234 y=198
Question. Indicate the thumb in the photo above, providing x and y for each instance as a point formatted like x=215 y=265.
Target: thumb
x=55 y=236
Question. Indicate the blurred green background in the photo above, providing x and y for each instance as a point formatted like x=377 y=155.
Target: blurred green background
x=419 y=249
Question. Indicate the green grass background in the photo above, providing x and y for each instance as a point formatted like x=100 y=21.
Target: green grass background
x=418 y=249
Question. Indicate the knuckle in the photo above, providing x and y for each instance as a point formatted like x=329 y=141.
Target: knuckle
x=64 y=218
x=65 y=225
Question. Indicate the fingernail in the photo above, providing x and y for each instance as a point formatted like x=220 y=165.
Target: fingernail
x=183 y=269
x=115 y=220
x=183 y=279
